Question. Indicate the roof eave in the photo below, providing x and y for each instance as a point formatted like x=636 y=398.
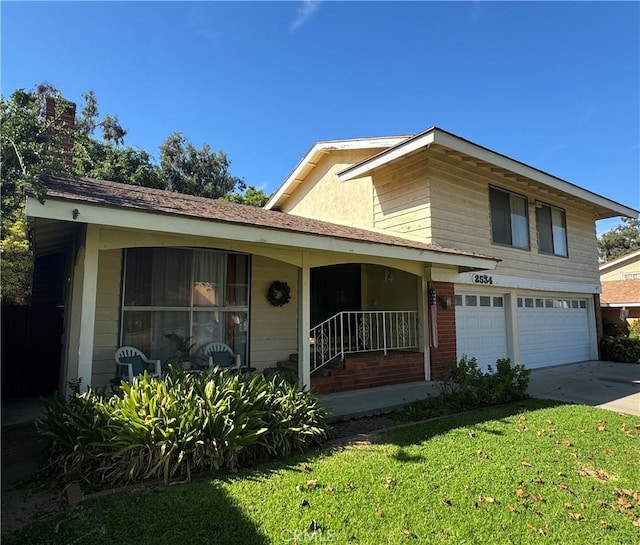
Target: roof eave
x=319 y=148
x=434 y=135
x=62 y=209
x=620 y=260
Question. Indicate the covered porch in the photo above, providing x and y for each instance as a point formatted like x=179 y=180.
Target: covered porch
x=111 y=232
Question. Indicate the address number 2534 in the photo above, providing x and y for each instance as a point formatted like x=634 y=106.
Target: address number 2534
x=482 y=279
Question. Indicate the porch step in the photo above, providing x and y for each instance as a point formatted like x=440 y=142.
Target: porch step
x=292 y=365
x=371 y=371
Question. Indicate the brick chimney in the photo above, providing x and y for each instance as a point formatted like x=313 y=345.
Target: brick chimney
x=62 y=115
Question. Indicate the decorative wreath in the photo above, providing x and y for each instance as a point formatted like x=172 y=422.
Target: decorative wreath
x=279 y=293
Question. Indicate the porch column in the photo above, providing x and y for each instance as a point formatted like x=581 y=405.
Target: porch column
x=304 y=322
x=87 y=308
x=424 y=313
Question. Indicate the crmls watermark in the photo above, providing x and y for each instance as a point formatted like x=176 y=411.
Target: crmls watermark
x=307 y=536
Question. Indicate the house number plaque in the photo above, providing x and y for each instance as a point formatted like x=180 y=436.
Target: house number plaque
x=482 y=279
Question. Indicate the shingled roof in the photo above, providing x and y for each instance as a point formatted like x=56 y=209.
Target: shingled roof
x=620 y=292
x=157 y=201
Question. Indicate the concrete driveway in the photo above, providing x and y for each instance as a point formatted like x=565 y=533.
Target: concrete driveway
x=613 y=386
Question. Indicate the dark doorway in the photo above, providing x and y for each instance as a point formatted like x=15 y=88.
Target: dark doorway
x=334 y=289
x=31 y=335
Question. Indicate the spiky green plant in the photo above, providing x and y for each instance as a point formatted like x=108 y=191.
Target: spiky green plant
x=179 y=424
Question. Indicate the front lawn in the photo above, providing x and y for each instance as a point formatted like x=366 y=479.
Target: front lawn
x=527 y=472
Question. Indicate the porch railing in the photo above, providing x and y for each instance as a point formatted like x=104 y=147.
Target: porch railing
x=351 y=332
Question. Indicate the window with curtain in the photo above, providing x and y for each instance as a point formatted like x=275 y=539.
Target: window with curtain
x=552 y=230
x=509 y=218
x=202 y=294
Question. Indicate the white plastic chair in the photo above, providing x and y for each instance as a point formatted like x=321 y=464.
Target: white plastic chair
x=125 y=370
x=208 y=349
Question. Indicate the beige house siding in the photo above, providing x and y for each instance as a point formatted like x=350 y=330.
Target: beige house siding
x=402 y=198
x=106 y=330
x=461 y=219
x=322 y=196
x=616 y=272
x=274 y=330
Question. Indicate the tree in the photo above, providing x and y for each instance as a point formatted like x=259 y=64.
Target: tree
x=620 y=240
x=28 y=146
x=31 y=143
x=16 y=264
x=199 y=172
x=32 y=140
x=252 y=196
x=126 y=165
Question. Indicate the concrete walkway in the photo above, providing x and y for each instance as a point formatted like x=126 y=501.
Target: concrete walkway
x=613 y=386
x=376 y=400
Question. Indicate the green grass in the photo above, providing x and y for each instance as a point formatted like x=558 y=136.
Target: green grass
x=522 y=473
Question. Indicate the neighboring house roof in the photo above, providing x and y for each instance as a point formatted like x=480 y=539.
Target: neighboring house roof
x=617 y=293
x=311 y=158
x=604 y=207
x=154 y=201
x=620 y=261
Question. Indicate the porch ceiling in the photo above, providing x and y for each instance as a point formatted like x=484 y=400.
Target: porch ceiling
x=51 y=236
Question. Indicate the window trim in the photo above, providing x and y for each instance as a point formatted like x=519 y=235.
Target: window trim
x=540 y=204
x=526 y=248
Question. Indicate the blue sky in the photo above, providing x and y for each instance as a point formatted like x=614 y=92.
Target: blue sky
x=555 y=85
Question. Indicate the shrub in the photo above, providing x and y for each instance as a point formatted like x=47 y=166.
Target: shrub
x=179 y=424
x=622 y=349
x=634 y=330
x=613 y=329
x=476 y=389
x=465 y=387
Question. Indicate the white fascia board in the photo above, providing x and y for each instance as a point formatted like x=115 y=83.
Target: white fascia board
x=514 y=282
x=619 y=261
x=620 y=305
x=166 y=223
x=368 y=165
x=326 y=146
x=436 y=136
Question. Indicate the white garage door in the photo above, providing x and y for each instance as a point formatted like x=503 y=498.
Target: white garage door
x=481 y=328
x=553 y=331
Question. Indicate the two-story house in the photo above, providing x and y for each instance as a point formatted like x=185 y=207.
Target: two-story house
x=385 y=257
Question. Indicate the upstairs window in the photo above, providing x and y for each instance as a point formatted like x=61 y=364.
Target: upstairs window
x=509 y=218
x=552 y=230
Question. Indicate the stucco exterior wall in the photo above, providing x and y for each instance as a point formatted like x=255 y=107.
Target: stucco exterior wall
x=322 y=196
